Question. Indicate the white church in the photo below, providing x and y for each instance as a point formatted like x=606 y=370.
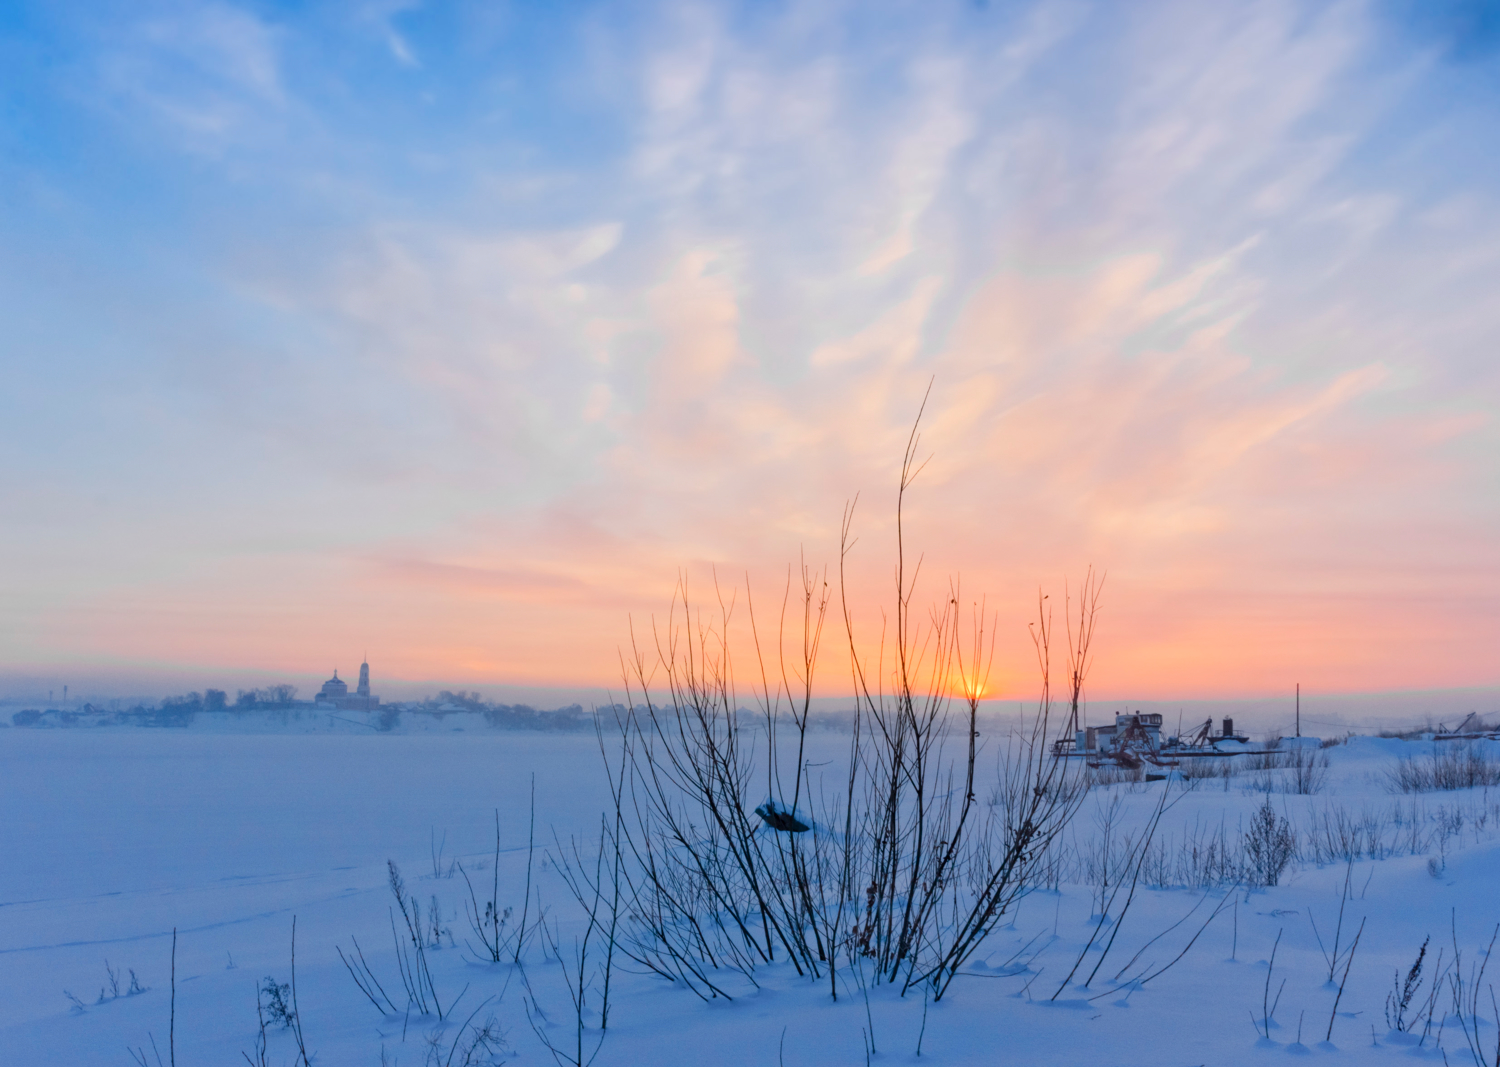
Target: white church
x=335 y=692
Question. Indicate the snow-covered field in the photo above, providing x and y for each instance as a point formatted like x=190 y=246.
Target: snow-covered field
x=113 y=838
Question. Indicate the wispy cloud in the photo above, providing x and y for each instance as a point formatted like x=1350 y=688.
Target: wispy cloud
x=511 y=338
x=207 y=69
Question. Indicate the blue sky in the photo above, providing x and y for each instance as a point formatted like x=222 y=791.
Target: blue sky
x=455 y=331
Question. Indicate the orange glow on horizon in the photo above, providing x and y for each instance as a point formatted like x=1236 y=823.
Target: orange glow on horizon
x=1208 y=594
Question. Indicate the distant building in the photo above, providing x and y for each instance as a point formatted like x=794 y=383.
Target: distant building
x=335 y=692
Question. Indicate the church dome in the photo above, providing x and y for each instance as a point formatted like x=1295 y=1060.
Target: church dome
x=334 y=687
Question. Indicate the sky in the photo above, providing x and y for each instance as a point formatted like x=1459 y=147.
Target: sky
x=457 y=335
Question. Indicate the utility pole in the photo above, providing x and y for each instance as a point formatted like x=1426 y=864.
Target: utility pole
x=1299 y=709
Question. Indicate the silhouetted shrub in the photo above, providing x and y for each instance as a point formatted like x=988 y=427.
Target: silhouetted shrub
x=1269 y=845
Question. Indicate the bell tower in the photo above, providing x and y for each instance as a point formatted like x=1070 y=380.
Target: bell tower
x=364 y=680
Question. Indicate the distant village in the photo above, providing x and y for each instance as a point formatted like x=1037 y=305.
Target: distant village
x=333 y=702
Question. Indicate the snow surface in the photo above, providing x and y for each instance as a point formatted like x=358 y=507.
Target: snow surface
x=112 y=838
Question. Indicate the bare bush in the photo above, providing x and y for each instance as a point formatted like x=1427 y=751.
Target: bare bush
x=1399 y=1000
x=1340 y=952
x=1299 y=770
x=487 y=919
x=1413 y=734
x=1208 y=768
x=900 y=866
x=411 y=943
x=276 y=1001
x=1268 y=758
x=1270 y=846
x=1456 y=766
x=1110 y=774
x=1268 y=1005
x=1136 y=852
x=1406 y=828
x=580 y=1049
x=1306 y=771
x=1338 y=834
x=598 y=894
x=1348 y=965
x=1199 y=859
x=275 y=1004
x=474 y=1045
x=1469 y=994
x=1109 y=856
